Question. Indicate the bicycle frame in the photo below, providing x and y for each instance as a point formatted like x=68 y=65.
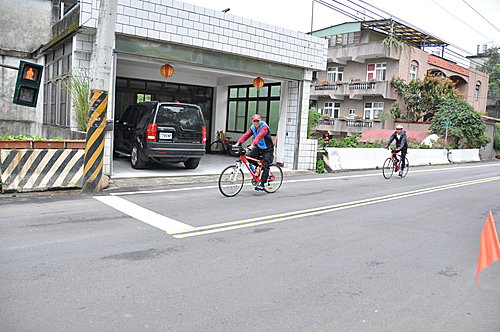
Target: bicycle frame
x=258 y=171
x=397 y=161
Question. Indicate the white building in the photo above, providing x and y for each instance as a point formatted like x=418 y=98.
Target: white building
x=215 y=55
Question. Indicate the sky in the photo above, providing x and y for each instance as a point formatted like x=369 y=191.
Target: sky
x=450 y=20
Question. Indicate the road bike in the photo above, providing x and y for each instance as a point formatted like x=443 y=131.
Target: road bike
x=393 y=164
x=231 y=179
x=222 y=144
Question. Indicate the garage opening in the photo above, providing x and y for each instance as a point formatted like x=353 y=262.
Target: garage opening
x=130 y=91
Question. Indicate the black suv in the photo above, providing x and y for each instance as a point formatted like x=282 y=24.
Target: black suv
x=161 y=132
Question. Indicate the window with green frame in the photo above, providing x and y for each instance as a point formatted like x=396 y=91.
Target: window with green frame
x=245 y=101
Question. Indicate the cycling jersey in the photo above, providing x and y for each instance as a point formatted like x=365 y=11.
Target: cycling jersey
x=263 y=139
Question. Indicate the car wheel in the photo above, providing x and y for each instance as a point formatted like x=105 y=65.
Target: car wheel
x=137 y=157
x=192 y=163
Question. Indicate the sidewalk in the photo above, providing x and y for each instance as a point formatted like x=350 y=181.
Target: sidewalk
x=210 y=167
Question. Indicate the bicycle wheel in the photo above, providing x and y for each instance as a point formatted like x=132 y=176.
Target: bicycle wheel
x=274 y=180
x=231 y=181
x=216 y=147
x=407 y=167
x=388 y=168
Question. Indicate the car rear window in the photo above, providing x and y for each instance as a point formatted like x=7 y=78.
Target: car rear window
x=187 y=117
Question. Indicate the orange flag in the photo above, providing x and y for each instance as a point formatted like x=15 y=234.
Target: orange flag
x=489 y=247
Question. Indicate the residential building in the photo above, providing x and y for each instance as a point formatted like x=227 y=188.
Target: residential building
x=354 y=93
x=215 y=56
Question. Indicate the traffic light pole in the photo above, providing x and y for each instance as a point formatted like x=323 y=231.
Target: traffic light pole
x=9 y=66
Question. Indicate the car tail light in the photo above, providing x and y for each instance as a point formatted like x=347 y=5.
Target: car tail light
x=203 y=134
x=151 y=132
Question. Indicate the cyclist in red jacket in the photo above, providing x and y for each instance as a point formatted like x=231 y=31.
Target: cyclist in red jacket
x=401 y=145
x=262 y=146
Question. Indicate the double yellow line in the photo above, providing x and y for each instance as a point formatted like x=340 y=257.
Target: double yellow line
x=227 y=226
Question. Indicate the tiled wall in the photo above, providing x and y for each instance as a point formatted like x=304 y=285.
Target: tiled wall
x=83 y=43
x=182 y=23
x=298 y=93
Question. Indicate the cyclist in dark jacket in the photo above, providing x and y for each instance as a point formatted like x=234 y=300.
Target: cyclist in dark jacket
x=262 y=146
x=401 y=145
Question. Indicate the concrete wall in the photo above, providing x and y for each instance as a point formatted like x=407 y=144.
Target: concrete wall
x=358 y=158
x=25 y=26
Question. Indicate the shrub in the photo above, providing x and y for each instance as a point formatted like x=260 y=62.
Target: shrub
x=320 y=165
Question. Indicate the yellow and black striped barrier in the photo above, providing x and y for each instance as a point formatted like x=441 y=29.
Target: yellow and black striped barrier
x=94 y=149
x=24 y=170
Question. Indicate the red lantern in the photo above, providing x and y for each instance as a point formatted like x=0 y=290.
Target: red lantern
x=258 y=82
x=167 y=70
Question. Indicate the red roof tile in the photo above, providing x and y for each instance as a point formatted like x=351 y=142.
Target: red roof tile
x=383 y=135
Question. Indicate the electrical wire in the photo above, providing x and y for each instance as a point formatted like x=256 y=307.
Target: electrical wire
x=458 y=58
x=458 y=18
x=480 y=15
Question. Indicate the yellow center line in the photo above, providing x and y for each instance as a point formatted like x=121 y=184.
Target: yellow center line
x=215 y=228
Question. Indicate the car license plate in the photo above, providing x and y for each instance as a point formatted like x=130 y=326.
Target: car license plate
x=165 y=135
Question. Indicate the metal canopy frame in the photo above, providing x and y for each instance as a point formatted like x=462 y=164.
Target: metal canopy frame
x=404 y=32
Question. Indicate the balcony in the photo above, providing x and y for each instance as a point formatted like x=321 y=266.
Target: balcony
x=360 y=53
x=348 y=126
x=353 y=90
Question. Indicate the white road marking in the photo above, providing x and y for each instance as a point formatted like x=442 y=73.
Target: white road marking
x=147 y=216
x=325 y=178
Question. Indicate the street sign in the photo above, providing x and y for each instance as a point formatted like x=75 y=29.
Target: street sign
x=447 y=123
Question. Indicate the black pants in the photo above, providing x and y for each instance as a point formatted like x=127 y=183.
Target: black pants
x=267 y=156
x=403 y=158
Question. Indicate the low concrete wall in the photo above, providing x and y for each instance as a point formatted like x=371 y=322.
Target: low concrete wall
x=463 y=155
x=354 y=158
x=23 y=170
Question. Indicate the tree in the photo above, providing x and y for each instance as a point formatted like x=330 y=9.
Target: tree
x=492 y=67
x=422 y=98
x=467 y=127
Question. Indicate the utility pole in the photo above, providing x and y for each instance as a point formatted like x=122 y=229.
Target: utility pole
x=312 y=15
x=102 y=64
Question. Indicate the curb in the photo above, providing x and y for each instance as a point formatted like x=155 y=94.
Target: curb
x=163 y=181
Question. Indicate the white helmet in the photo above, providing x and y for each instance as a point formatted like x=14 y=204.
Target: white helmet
x=399 y=126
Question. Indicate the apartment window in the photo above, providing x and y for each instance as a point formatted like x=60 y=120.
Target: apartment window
x=352 y=111
x=373 y=110
x=335 y=74
x=477 y=91
x=245 y=101
x=413 y=70
x=345 y=39
x=332 y=109
x=56 y=105
x=376 y=71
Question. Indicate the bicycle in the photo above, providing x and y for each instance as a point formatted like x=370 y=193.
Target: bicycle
x=231 y=179
x=393 y=164
x=221 y=145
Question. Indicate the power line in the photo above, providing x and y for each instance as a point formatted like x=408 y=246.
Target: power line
x=450 y=52
x=480 y=15
x=458 y=18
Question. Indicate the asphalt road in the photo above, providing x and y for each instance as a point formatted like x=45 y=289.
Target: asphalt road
x=337 y=252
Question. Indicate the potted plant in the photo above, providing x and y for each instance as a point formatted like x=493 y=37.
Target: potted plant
x=76 y=144
x=55 y=143
x=22 y=141
x=15 y=144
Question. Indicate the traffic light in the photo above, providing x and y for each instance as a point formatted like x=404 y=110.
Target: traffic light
x=27 y=84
